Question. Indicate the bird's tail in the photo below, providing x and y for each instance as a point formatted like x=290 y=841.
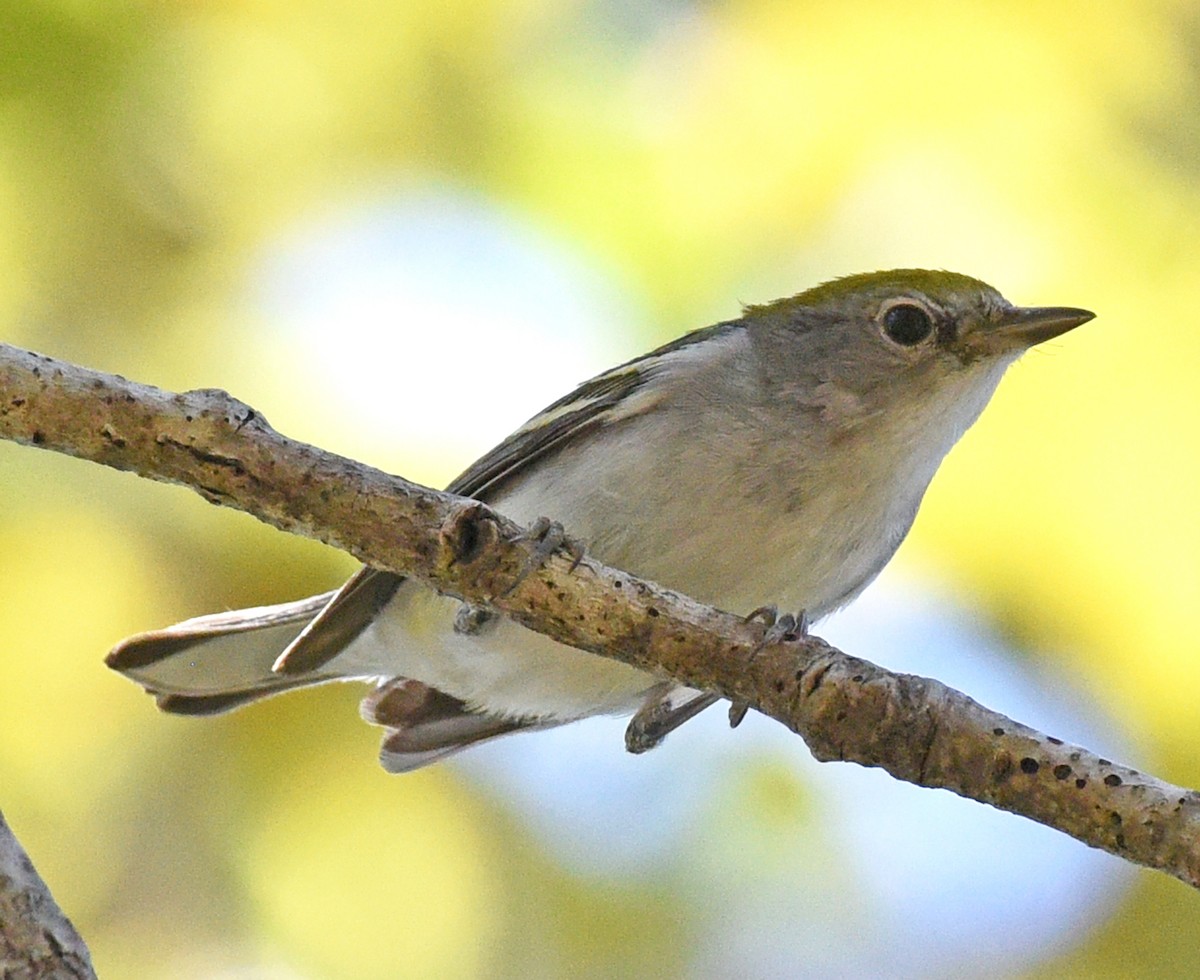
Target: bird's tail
x=212 y=664
x=215 y=663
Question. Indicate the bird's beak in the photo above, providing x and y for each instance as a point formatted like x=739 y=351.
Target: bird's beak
x=1032 y=325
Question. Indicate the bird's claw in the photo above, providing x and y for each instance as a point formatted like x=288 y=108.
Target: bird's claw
x=660 y=715
x=548 y=537
x=780 y=629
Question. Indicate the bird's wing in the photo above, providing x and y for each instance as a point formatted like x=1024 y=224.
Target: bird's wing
x=357 y=603
x=619 y=393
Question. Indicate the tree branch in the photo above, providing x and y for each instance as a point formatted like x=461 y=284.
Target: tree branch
x=36 y=940
x=846 y=709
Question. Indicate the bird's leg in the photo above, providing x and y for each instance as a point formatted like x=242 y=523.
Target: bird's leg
x=659 y=716
x=779 y=628
x=547 y=537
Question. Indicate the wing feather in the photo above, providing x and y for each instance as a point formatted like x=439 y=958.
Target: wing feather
x=597 y=401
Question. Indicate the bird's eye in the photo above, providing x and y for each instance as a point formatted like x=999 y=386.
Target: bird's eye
x=907 y=324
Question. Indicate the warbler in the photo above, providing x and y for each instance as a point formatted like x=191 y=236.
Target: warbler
x=777 y=459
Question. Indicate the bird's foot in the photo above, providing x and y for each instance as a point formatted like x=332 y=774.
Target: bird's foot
x=548 y=537
x=660 y=715
x=780 y=629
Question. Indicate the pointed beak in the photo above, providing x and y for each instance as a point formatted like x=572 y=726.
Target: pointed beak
x=1034 y=324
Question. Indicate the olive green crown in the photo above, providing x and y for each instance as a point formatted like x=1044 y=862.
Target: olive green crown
x=937 y=285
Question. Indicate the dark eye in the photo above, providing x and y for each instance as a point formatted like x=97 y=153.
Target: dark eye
x=907 y=324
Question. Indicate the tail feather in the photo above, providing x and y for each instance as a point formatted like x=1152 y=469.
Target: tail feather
x=217 y=704
x=215 y=663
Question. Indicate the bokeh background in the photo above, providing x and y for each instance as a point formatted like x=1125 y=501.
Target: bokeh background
x=400 y=228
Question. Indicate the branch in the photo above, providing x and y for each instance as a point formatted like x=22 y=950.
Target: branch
x=36 y=940
x=846 y=709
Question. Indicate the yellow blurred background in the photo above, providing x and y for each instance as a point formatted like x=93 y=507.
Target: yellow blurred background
x=400 y=228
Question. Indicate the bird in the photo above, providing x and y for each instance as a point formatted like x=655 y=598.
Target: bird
x=775 y=460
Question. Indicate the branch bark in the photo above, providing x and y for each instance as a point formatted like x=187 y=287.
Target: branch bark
x=36 y=939
x=845 y=708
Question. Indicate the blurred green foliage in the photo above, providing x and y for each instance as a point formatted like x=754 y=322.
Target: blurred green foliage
x=699 y=153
